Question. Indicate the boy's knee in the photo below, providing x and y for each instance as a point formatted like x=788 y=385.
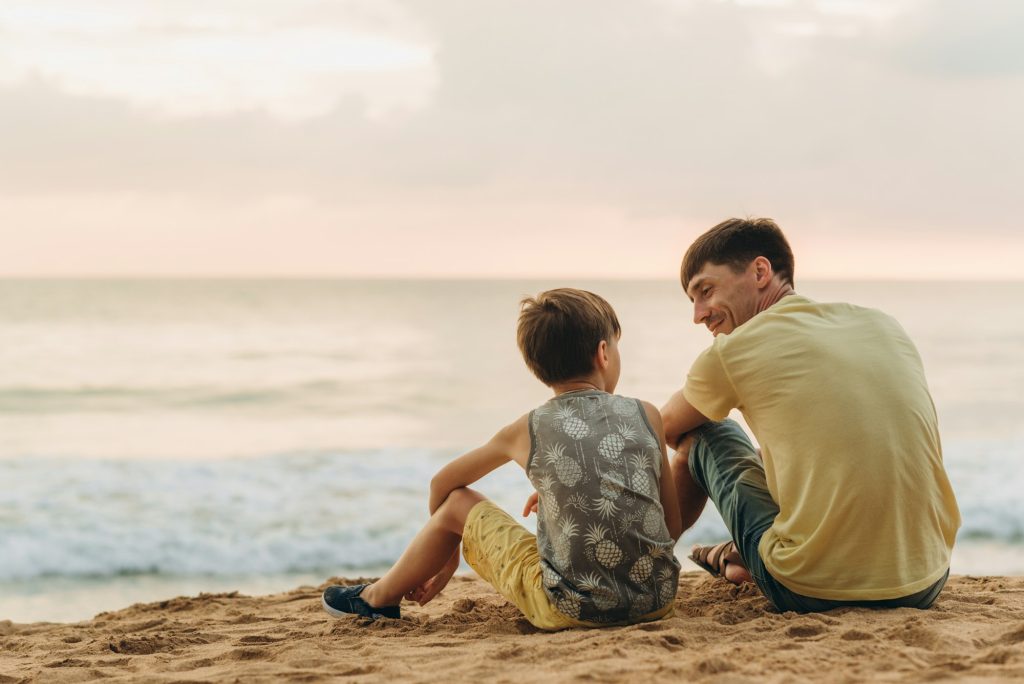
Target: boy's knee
x=456 y=508
x=459 y=497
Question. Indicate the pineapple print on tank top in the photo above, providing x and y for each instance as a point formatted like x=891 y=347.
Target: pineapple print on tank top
x=606 y=555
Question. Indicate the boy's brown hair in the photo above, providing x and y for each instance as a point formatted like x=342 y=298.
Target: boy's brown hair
x=559 y=332
x=736 y=242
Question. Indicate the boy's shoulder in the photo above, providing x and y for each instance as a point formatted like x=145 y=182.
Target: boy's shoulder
x=514 y=431
x=623 y=405
x=600 y=394
x=513 y=439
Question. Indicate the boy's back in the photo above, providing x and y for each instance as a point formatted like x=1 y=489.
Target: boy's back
x=606 y=552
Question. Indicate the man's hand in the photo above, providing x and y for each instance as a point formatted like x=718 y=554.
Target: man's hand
x=424 y=593
x=678 y=418
x=531 y=505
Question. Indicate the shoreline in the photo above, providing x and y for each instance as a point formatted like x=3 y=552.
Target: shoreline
x=975 y=631
x=72 y=599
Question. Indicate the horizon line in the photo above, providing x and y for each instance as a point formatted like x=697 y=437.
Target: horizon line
x=457 y=278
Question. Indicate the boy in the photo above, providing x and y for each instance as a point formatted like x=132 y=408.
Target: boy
x=608 y=515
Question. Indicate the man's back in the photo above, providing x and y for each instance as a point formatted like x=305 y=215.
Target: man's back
x=837 y=398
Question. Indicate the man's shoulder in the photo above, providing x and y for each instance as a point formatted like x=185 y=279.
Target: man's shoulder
x=795 y=312
x=796 y=323
x=797 y=304
x=807 y=332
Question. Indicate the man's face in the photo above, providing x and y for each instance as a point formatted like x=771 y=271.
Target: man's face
x=722 y=299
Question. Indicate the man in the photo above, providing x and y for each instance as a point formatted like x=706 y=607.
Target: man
x=848 y=502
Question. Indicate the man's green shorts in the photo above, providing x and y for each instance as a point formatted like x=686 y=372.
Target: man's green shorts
x=726 y=466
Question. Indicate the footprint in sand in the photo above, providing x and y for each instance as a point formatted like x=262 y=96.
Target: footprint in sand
x=69 y=662
x=806 y=628
x=672 y=642
x=856 y=635
x=259 y=639
x=197 y=664
x=249 y=654
x=1013 y=636
x=651 y=627
x=143 y=645
x=714 y=665
x=997 y=656
x=356 y=671
x=929 y=639
x=463 y=605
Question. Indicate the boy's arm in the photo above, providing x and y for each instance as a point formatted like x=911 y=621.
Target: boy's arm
x=666 y=487
x=512 y=443
x=679 y=417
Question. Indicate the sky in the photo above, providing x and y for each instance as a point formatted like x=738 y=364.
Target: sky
x=474 y=138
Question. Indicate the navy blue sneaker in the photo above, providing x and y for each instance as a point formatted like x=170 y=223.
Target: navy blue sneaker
x=340 y=601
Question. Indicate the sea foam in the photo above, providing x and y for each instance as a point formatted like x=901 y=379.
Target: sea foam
x=334 y=512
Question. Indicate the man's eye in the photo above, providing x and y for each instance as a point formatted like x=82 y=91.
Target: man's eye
x=706 y=291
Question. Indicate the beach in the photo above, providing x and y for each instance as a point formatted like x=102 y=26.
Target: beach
x=974 y=632
x=159 y=439
x=274 y=289
x=165 y=438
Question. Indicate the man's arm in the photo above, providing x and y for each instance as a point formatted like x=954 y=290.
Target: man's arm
x=679 y=417
x=512 y=443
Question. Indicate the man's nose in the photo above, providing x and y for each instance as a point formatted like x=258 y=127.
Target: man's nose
x=700 y=312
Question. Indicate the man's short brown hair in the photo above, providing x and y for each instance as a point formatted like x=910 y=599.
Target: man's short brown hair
x=559 y=332
x=736 y=242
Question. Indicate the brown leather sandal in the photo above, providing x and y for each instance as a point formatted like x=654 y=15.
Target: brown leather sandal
x=715 y=558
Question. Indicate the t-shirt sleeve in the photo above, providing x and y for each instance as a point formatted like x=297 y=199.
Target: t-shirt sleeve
x=708 y=387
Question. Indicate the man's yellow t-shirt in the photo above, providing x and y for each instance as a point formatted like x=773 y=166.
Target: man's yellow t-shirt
x=837 y=398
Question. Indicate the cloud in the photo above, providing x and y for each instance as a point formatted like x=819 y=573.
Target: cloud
x=192 y=59
x=836 y=116
x=962 y=40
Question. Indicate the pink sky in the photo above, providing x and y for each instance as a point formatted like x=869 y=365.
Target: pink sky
x=453 y=139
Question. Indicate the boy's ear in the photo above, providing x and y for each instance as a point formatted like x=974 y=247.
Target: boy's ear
x=601 y=359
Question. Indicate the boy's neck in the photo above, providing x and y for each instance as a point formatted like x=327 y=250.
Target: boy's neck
x=582 y=384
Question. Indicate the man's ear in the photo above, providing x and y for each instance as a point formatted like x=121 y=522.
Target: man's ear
x=601 y=359
x=763 y=271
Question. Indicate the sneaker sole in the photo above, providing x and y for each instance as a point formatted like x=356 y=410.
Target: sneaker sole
x=332 y=611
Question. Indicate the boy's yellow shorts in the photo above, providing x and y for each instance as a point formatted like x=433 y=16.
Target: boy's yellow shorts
x=504 y=553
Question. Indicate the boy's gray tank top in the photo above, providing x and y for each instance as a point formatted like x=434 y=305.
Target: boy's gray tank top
x=606 y=554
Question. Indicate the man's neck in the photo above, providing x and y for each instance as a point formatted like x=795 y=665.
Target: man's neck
x=775 y=291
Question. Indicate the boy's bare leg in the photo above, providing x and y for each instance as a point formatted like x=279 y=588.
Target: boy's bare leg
x=692 y=500
x=431 y=558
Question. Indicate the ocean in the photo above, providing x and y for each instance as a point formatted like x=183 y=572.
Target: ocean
x=166 y=437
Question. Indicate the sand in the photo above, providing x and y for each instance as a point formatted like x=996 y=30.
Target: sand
x=719 y=633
